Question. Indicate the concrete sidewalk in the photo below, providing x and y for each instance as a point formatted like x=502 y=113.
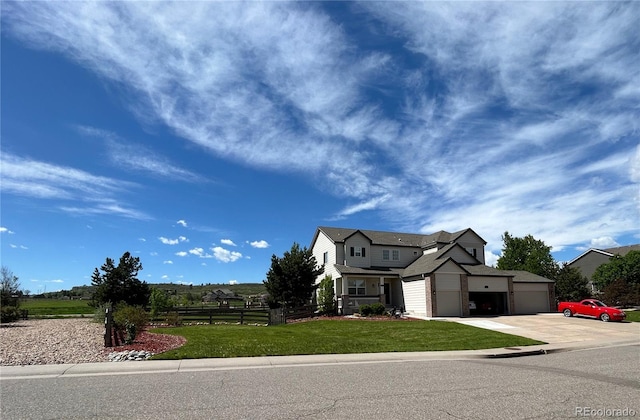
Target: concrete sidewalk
x=193 y=365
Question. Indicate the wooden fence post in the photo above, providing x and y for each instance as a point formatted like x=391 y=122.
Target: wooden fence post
x=108 y=327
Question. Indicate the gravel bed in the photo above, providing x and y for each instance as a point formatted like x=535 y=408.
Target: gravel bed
x=51 y=341
x=73 y=340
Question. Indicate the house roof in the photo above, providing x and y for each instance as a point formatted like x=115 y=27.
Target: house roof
x=609 y=252
x=520 y=276
x=428 y=263
x=369 y=271
x=339 y=235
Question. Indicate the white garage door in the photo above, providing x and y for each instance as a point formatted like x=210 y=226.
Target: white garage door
x=530 y=298
x=448 y=304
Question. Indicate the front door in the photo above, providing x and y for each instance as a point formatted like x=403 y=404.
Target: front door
x=387 y=294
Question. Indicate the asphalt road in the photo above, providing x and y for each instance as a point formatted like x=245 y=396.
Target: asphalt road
x=552 y=386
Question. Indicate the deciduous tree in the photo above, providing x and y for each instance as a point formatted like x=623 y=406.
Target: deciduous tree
x=9 y=295
x=291 y=278
x=528 y=254
x=618 y=267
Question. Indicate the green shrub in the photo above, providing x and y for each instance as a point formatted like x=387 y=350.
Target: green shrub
x=365 y=310
x=326 y=296
x=378 y=309
x=130 y=320
x=374 y=309
x=174 y=319
x=9 y=314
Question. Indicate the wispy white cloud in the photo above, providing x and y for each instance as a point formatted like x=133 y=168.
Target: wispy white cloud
x=496 y=129
x=168 y=241
x=182 y=223
x=90 y=194
x=6 y=230
x=225 y=255
x=135 y=157
x=259 y=244
x=228 y=242
x=182 y=253
x=167 y=262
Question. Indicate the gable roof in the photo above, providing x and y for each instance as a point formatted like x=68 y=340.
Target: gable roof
x=609 y=252
x=339 y=235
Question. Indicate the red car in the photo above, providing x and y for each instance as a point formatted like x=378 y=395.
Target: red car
x=592 y=308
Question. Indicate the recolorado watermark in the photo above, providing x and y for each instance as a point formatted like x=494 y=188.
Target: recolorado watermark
x=605 y=412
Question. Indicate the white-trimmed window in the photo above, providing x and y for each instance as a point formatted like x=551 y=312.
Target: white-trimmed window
x=385 y=254
x=357 y=287
x=396 y=255
x=357 y=251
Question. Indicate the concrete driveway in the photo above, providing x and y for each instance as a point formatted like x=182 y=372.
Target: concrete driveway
x=554 y=328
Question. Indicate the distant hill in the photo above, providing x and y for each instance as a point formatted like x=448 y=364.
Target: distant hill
x=197 y=291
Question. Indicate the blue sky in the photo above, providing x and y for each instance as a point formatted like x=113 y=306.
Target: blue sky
x=205 y=137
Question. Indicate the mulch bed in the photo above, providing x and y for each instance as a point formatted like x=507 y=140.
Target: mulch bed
x=155 y=343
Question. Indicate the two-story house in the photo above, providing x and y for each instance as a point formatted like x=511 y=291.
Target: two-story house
x=441 y=274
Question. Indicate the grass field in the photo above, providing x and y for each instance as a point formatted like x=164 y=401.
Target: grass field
x=334 y=337
x=633 y=316
x=53 y=307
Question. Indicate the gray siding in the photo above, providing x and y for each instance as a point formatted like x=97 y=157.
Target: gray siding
x=358 y=241
x=406 y=254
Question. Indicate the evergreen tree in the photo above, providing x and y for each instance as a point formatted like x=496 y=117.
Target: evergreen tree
x=291 y=278
x=571 y=285
x=119 y=283
x=326 y=296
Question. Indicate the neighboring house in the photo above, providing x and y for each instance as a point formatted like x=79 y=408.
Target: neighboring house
x=442 y=274
x=590 y=260
x=223 y=296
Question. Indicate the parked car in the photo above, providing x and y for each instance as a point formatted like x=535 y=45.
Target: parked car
x=592 y=308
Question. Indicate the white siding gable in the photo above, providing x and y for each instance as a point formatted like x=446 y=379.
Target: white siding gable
x=324 y=244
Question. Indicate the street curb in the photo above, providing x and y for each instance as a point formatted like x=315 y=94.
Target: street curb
x=517 y=354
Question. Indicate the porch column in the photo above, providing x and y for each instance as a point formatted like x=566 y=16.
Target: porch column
x=512 y=300
x=464 y=294
x=430 y=292
x=382 y=296
x=345 y=296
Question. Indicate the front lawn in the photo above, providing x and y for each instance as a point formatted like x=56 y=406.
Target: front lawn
x=334 y=337
x=633 y=316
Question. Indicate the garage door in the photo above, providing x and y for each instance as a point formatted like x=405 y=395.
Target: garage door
x=530 y=298
x=448 y=304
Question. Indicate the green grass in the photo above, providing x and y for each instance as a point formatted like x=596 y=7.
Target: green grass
x=49 y=307
x=334 y=337
x=633 y=316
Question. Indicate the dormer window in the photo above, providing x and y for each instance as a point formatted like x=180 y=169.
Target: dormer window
x=472 y=251
x=357 y=251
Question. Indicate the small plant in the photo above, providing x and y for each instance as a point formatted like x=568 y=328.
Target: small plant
x=130 y=320
x=174 y=319
x=378 y=309
x=365 y=310
x=326 y=296
x=374 y=309
x=9 y=314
